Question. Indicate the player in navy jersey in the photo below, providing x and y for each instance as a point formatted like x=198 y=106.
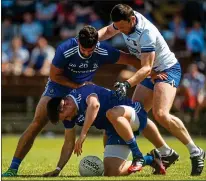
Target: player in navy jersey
x=92 y=105
x=75 y=62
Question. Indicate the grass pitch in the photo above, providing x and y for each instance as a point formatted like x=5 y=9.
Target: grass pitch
x=44 y=156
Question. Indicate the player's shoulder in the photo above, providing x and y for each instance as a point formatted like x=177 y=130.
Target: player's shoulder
x=143 y=26
x=102 y=48
x=68 y=45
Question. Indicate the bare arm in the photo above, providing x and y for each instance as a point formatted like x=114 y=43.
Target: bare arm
x=66 y=152
x=67 y=148
x=128 y=59
x=147 y=60
x=57 y=76
x=107 y=32
x=91 y=114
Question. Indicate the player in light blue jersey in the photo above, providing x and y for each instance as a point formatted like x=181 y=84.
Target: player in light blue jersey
x=75 y=62
x=92 y=105
x=145 y=42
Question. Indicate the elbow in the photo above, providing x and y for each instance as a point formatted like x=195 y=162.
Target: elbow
x=148 y=70
x=96 y=106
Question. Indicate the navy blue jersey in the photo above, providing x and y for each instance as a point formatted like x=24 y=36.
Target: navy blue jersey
x=107 y=100
x=79 y=69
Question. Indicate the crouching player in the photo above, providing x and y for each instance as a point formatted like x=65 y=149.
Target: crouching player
x=120 y=118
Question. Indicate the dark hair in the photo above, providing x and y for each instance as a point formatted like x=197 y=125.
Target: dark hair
x=88 y=37
x=53 y=109
x=121 y=12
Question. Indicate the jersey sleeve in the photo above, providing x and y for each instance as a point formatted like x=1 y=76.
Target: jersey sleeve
x=59 y=60
x=68 y=124
x=147 y=41
x=113 y=54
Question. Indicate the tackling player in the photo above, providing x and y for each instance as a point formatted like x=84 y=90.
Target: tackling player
x=145 y=42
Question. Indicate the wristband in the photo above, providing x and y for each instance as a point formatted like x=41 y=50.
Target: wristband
x=58 y=168
x=127 y=84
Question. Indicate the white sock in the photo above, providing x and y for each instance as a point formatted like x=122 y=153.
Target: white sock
x=164 y=150
x=193 y=149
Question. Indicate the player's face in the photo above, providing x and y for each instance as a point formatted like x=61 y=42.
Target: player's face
x=86 y=52
x=126 y=27
x=67 y=109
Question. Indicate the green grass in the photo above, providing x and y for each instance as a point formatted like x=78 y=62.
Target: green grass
x=45 y=154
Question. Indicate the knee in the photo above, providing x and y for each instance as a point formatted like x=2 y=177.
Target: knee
x=162 y=117
x=37 y=124
x=109 y=172
x=111 y=115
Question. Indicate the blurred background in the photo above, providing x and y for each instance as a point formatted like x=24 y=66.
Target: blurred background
x=32 y=29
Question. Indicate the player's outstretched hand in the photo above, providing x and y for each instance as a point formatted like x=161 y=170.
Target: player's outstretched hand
x=52 y=173
x=161 y=75
x=78 y=145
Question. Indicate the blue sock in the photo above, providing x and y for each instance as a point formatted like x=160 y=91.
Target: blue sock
x=134 y=148
x=15 y=163
x=148 y=159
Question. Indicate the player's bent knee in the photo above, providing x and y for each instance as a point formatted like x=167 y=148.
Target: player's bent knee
x=109 y=171
x=111 y=115
x=114 y=169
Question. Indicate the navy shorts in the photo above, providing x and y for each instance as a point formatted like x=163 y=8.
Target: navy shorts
x=174 y=76
x=115 y=139
x=53 y=89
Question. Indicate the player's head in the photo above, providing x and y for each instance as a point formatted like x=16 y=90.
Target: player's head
x=124 y=18
x=59 y=108
x=88 y=38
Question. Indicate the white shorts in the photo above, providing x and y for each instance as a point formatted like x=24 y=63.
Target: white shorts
x=134 y=121
x=117 y=151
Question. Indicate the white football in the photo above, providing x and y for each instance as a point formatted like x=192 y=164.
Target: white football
x=91 y=166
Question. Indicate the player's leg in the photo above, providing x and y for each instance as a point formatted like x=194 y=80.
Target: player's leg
x=117 y=155
x=27 y=139
x=120 y=117
x=40 y=120
x=164 y=95
x=116 y=163
x=144 y=94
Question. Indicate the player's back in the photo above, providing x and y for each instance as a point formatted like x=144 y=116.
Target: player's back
x=147 y=38
x=106 y=97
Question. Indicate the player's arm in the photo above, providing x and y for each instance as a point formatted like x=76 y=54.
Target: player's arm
x=107 y=32
x=91 y=114
x=57 y=75
x=57 y=69
x=66 y=152
x=147 y=60
x=128 y=59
